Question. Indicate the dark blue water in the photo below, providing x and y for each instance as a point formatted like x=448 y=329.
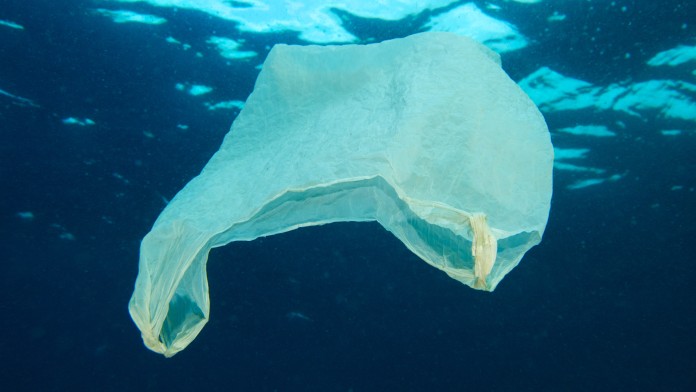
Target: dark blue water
x=605 y=302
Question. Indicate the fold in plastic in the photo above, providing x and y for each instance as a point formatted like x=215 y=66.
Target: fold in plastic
x=426 y=135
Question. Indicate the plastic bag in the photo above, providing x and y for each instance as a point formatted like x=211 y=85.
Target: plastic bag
x=426 y=135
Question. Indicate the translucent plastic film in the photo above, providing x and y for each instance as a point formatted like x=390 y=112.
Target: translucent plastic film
x=426 y=135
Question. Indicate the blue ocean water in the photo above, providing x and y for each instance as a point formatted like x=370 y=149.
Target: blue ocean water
x=108 y=108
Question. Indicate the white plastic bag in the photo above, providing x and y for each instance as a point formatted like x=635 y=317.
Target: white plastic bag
x=426 y=135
